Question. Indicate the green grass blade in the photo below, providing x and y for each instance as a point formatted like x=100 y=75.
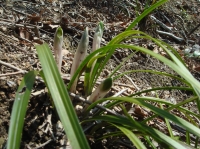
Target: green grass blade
x=186 y=125
x=128 y=132
x=61 y=98
x=160 y=43
x=87 y=80
x=144 y=129
x=83 y=64
x=177 y=106
x=122 y=63
x=134 y=139
x=153 y=72
x=153 y=99
x=188 y=138
x=168 y=124
x=178 y=66
x=145 y=13
x=147 y=138
x=162 y=88
x=19 y=110
x=102 y=64
x=111 y=134
x=90 y=72
x=140 y=101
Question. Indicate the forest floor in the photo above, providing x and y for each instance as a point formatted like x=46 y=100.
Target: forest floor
x=24 y=23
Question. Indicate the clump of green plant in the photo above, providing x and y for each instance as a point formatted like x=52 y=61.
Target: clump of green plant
x=111 y=125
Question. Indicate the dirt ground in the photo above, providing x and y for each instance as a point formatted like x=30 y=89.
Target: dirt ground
x=26 y=22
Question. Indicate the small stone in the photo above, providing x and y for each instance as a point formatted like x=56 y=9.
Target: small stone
x=11 y=84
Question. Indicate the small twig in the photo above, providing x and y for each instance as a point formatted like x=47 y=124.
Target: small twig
x=25 y=14
x=173 y=36
x=11 y=66
x=125 y=94
x=25 y=40
x=117 y=60
x=184 y=31
x=170 y=35
x=67 y=77
x=119 y=93
x=42 y=145
x=12 y=73
x=192 y=31
x=19 y=70
x=98 y=105
x=125 y=85
x=131 y=4
x=79 y=14
x=182 y=22
x=18 y=25
x=28 y=147
x=49 y=124
x=161 y=24
x=131 y=81
x=167 y=19
x=81 y=23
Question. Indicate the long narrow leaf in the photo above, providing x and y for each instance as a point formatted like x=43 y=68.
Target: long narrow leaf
x=153 y=72
x=19 y=110
x=146 y=130
x=88 y=70
x=145 y=13
x=186 y=125
x=180 y=68
x=134 y=139
x=140 y=101
x=61 y=98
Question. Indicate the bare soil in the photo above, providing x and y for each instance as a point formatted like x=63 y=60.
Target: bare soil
x=28 y=22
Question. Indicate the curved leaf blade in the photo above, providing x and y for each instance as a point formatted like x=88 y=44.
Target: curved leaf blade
x=19 y=110
x=181 y=122
x=145 y=13
x=146 y=130
x=61 y=98
x=131 y=136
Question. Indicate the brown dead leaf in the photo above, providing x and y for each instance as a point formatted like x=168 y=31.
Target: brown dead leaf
x=25 y=34
x=197 y=68
x=140 y=112
x=34 y=18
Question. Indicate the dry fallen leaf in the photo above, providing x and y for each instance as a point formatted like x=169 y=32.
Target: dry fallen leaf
x=140 y=112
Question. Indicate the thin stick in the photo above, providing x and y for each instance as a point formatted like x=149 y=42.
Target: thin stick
x=12 y=73
x=192 y=31
x=45 y=143
x=12 y=66
x=98 y=106
x=120 y=92
x=161 y=24
x=173 y=36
